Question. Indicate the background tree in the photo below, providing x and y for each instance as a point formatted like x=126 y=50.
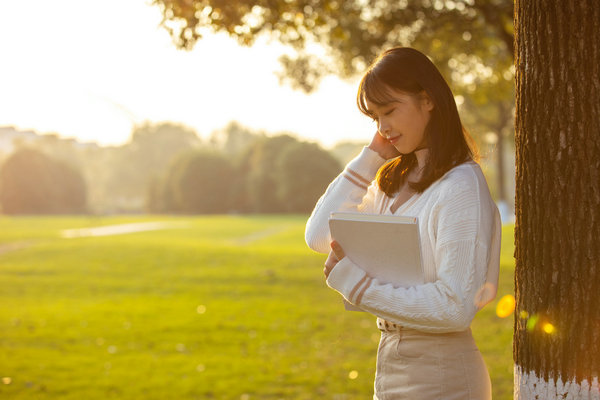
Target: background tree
x=262 y=175
x=135 y=164
x=234 y=139
x=88 y=159
x=345 y=151
x=196 y=183
x=160 y=199
x=33 y=183
x=471 y=41
x=303 y=172
x=557 y=277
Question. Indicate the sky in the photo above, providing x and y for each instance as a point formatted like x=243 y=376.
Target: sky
x=92 y=70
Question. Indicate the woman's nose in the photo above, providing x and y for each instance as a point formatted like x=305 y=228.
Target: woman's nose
x=384 y=129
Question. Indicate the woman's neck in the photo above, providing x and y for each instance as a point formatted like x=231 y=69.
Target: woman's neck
x=422 y=156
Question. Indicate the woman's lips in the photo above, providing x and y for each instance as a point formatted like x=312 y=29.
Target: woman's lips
x=394 y=139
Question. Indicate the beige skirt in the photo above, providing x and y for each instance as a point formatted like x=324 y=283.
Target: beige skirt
x=427 y=366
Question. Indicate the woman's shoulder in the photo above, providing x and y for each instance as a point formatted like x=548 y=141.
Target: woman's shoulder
x=465 y=180
x=466 y=173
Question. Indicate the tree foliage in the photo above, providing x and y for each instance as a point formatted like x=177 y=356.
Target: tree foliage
x=261 y=174
x=198 y=182
x=33 y=183
x=276 y=174
x=352 y=32
x=303 y=172
x=144 y=158
x=234 y=139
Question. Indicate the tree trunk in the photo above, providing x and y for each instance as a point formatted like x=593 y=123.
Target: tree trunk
x=500 y=153
x=557 y=277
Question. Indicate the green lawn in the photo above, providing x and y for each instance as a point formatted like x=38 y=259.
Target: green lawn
x=218 y=307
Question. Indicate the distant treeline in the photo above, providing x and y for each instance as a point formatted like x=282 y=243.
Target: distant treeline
x=167 y=168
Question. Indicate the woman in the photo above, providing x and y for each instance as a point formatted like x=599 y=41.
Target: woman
x=419 y=163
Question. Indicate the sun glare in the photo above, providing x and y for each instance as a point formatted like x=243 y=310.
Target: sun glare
x=101 y=82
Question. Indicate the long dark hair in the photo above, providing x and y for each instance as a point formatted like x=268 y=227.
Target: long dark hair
x=408 y=70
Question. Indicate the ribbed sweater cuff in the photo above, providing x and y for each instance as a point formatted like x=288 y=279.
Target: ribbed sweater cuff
x=367 y=163
x=349 y=280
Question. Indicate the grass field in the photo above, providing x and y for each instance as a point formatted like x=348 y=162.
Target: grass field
x=220 y=307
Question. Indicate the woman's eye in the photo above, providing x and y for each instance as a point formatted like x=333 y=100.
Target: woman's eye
x=389 y=112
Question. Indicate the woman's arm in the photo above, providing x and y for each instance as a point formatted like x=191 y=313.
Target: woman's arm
x=446 y=305
x=352 y=190
x=467 y=238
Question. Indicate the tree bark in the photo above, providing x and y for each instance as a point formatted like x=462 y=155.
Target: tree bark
x=557 y=233
x=500 y=152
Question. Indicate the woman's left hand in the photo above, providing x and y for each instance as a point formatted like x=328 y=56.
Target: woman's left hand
x=335 y=255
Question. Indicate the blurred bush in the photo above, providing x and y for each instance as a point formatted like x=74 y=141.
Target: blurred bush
x=197 y=182
x=34 y=183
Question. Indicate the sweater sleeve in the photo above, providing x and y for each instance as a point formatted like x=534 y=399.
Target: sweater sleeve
x=461 y=254
x=352 y=190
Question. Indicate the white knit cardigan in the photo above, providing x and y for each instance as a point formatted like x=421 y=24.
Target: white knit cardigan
x=460 y=233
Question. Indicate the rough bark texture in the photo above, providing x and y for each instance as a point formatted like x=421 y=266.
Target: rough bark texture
x=501 y=196
x=557 y=277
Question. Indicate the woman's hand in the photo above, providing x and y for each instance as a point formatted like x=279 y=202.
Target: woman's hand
x=335 y=255
x=385 y=149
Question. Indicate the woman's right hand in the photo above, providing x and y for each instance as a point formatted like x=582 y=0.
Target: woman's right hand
x=384 y=148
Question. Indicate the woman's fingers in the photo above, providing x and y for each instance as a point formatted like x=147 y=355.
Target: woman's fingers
x=337 y=249
x=335 y=255
x=383 y=147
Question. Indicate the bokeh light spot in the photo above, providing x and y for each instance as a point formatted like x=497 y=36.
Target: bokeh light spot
x=112 y=349
x=548 y=328
x=524 y=314
x=200 y=368
x=353 y=374
x=201 y=309
x=505 y=306
x=532 y=322
x=245 y=396
x=7 y=380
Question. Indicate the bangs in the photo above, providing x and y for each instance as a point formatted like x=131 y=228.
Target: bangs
x=373 y=89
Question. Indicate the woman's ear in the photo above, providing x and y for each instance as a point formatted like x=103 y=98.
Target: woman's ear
x=426 y=101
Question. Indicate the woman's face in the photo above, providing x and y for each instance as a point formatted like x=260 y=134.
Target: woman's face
x=402 y=121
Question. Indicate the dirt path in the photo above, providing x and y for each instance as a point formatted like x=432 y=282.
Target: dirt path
x=120 y=229
x=13 y=246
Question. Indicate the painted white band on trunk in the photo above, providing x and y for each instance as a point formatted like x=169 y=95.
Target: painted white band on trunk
x=529 y=386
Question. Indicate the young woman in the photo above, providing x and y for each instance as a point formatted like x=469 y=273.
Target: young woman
x=419 y=163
